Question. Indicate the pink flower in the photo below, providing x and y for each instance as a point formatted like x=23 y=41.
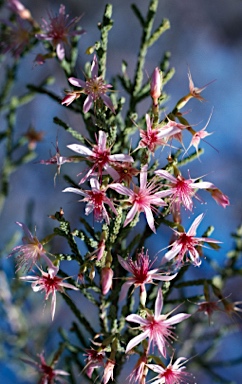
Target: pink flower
x=153 y=137
x=48 y=374
x=183 y=190
x=58 y=29
x=94 y=87
x=141 y=274
x=101 y=157
x=155 y=85
x=49 y=283
x=30 y=252
x=187 y=243
x=108 y=371
x=157 y=328
x=96 y=198
x=172 y=374
x=106 y=280
x=142 y=199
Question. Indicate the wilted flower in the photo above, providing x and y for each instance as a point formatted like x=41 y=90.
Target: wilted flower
x=30 y=252
x=187 y=243
x=33 y=137
x=231 y=308
x=141 y=274
x=96 y=198
x=101 y=157
x=95 y=359
x=58 y=30
x=58 y=160
x=126 y=171
x=49 y=375
x=94 y=87
x=140 y=371
x=15 y=37
x=209 y=307
x=195 y=91
x=142 y=199
x=172 y=374
x=198 y=136
x=49 y=283
x=218 y=196
x=108 y=371
x=157 y=328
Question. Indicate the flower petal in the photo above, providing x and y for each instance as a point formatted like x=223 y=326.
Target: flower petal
x=136 y=340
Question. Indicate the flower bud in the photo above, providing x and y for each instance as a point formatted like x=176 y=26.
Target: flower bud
x=219 y=197
x=155 y=85
x=92 y=273
x=106 y=280
x=108 y=371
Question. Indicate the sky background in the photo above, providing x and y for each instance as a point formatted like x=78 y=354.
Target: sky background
x=205 y=36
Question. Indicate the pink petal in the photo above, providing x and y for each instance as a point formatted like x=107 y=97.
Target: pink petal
x=121 y=157
x=107 y=101
x=94 y=67
x=166 y=175
x=121 y=189
x=136 y=340
x=124 y=264
x=26 y=230
x=95 y=184
x=150 y=218
x=131 y=214
x=137 y=319
x=158 y=304
x=143 y=177
x=111 y=171
x=53 y=305
x=102 y=140
x=172 y=253
x=77 y=82
x=60 y=51
x=87 y=103
x=81 y=149
x=177 y=318
x=75 y=190
x=124 y=290
x=193 y=229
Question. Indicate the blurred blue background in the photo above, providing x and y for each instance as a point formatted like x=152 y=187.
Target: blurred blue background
x=206 y=36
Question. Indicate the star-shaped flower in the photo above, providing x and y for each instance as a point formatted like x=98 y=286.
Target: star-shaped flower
x=157 y=328
x=94 y=87
x=142 y=274
x=142 y=199
x=186 y=244
x=101 y=158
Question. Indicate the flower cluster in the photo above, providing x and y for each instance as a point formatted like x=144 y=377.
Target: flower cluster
x=132 y=186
